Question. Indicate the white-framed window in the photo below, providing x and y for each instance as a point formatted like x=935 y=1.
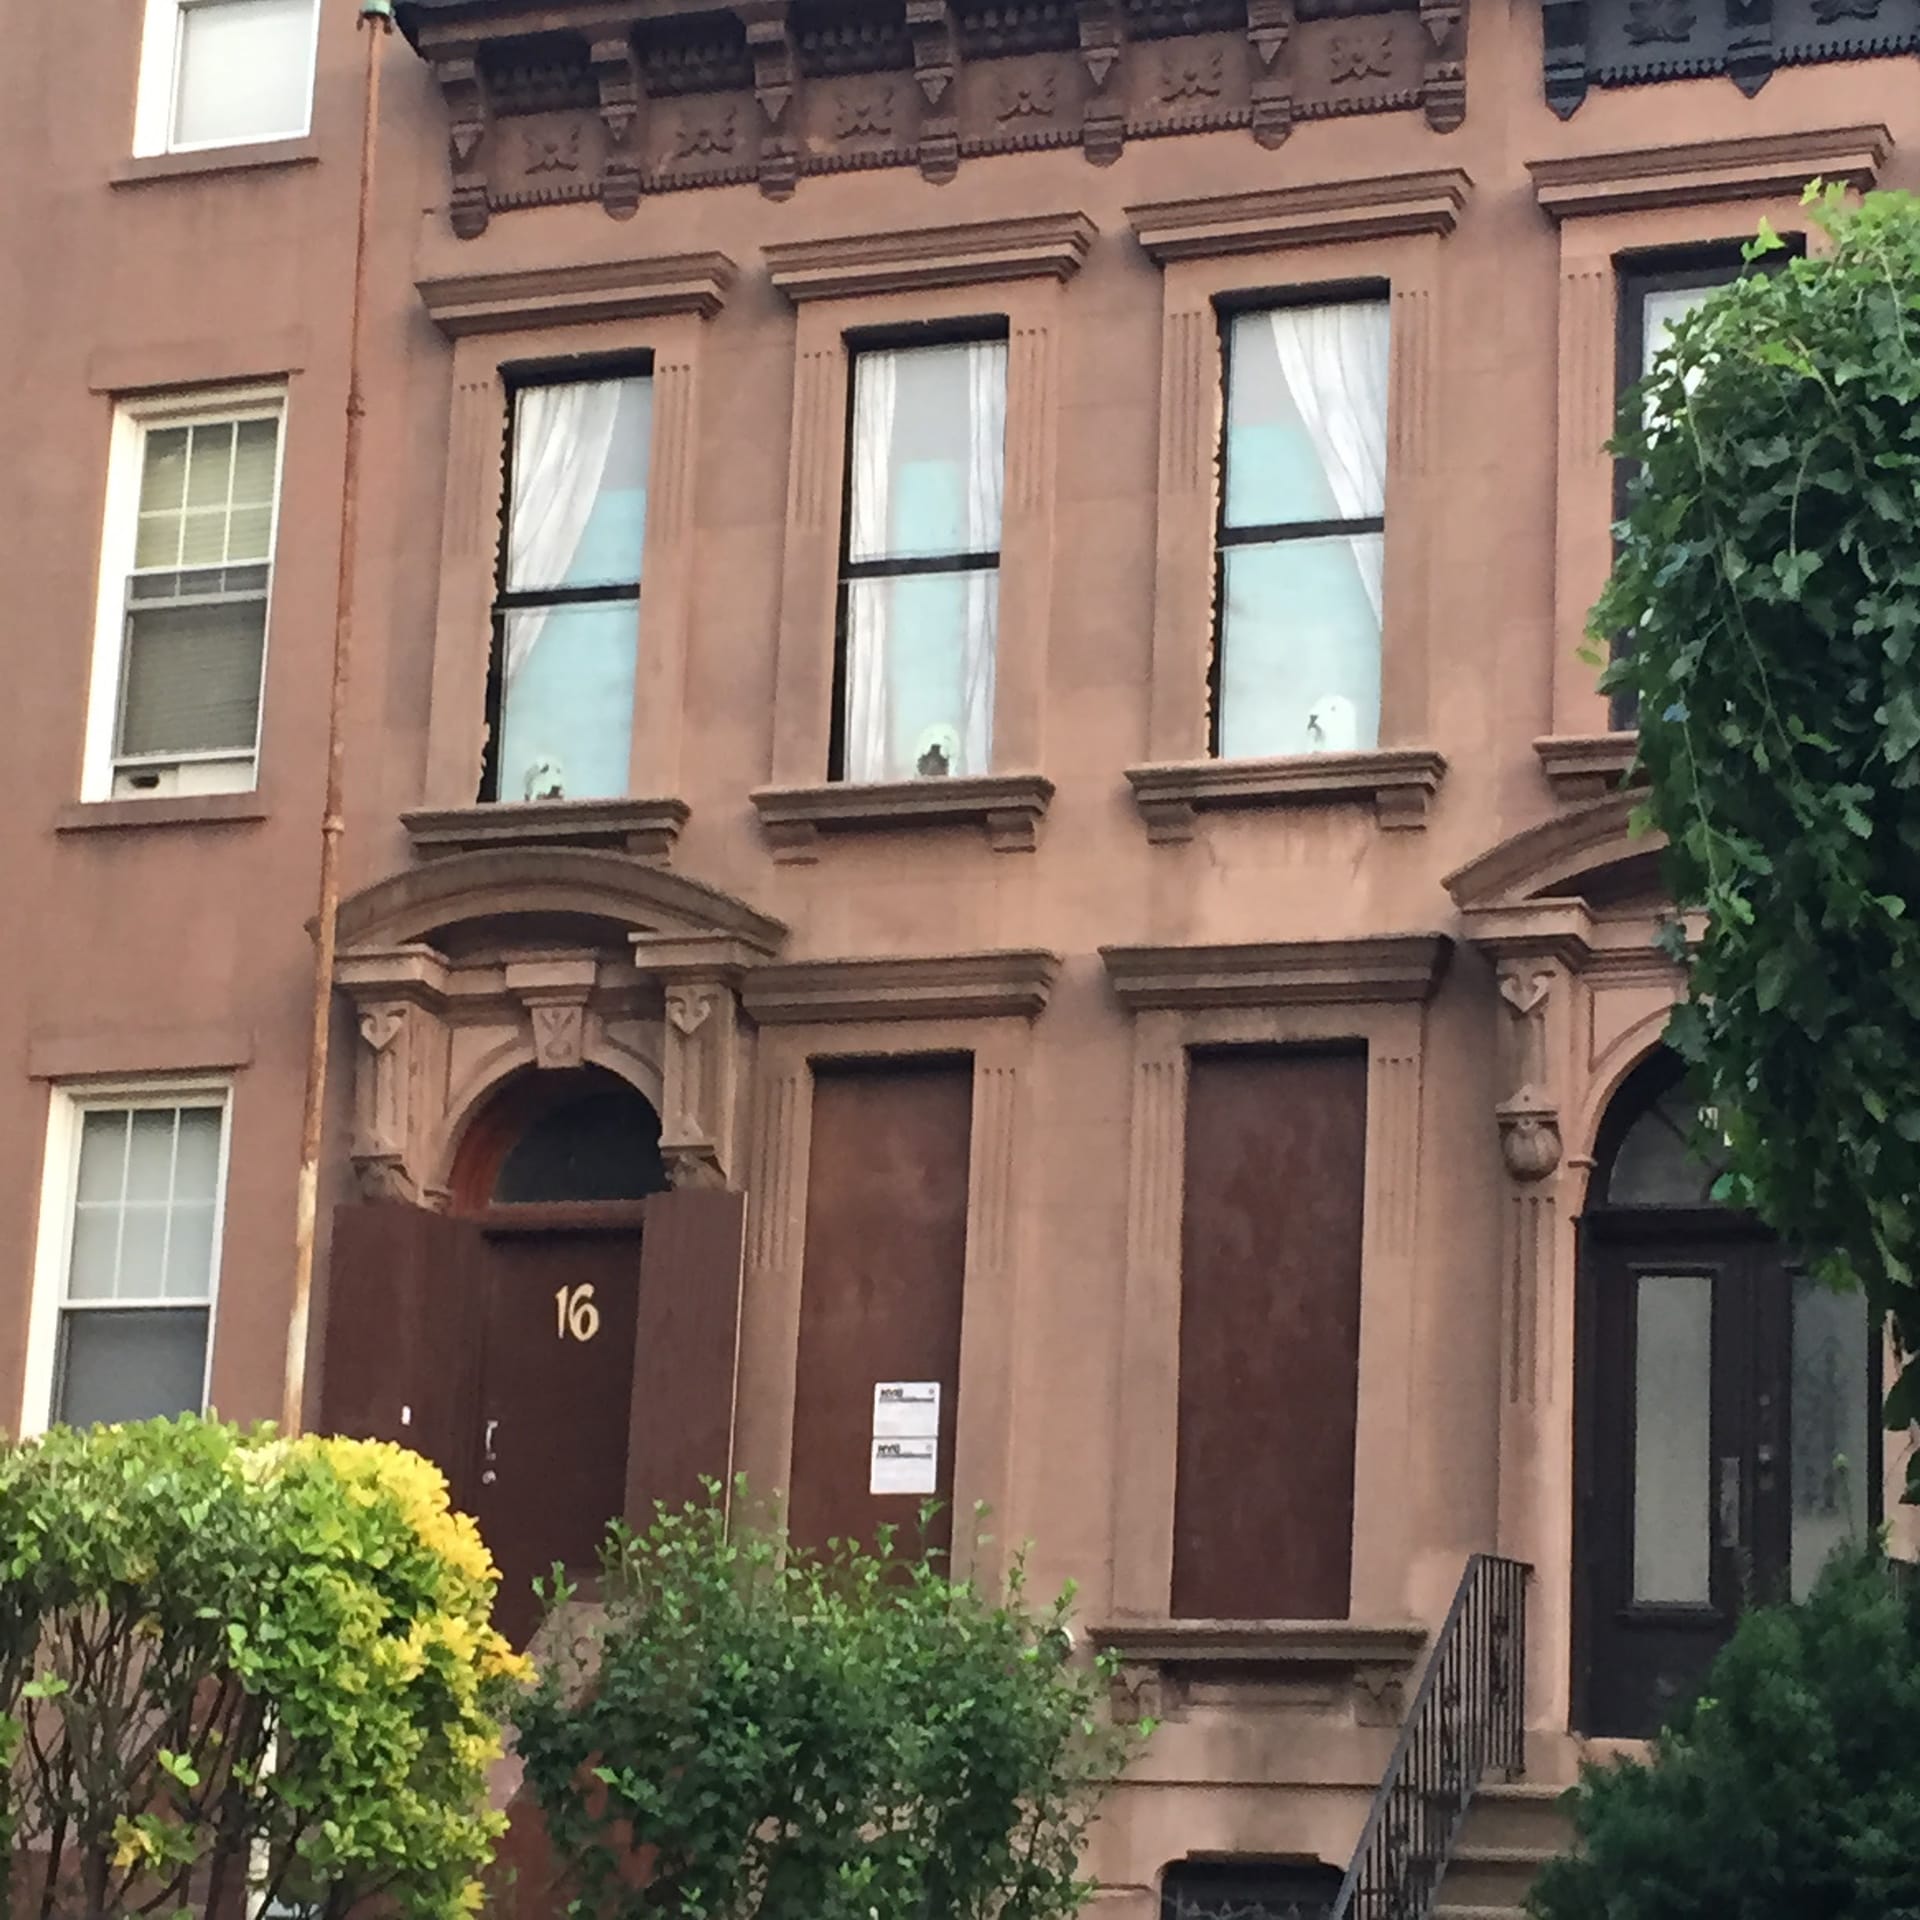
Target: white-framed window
x=223 y=73
x=920 y=565
x=186 y=573
x=127 y=1262
x=1302 y=536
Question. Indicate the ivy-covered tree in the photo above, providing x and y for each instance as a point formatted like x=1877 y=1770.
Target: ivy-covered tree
x=1765 y=609
x=755 y=1732
x=1785 y=1792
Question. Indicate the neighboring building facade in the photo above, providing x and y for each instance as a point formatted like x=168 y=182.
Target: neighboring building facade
x=968 y=767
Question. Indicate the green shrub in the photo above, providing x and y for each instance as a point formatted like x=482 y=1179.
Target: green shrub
x=1789 y=1791
x=757 y=1731
x=229 y=1660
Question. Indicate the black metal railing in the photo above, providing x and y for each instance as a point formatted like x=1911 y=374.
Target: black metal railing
x=1469 y=1716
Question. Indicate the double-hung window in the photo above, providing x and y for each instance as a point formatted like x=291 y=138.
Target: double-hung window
x=193 y=495
x=1302 y=537
x=567 y=618
x=216 y=73
x=919 y=587
x=136 y=1187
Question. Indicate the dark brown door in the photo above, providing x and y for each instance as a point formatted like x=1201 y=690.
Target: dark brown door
x=1725 y=1448
x=557 y=1378
x=1269 y=1333
x=881 y=1288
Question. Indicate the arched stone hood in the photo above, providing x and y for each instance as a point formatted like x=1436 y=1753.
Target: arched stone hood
x=477 y=965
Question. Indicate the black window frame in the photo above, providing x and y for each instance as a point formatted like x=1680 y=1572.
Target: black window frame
x=1635 y=276
x=518 y=381
x=896 y=339
x=1226 y=311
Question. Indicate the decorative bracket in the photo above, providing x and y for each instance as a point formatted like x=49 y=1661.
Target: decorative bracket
x=703 y=1066
x=616 y=73
x=1443 y=86
x=1564 y=25
x=470 y=119
x=400 y=1067
x=936 y=64
x=1528 y=1119
x=1269 y=27
x=1103 y=128
x=776 y=80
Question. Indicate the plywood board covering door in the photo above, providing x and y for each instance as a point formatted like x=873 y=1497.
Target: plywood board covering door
x=1269 y=1333
x=881 y=1283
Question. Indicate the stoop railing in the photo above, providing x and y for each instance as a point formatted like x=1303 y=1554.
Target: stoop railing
x=1468 y=1716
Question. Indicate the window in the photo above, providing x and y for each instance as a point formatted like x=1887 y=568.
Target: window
x=1302 y=531
x=187 y=567
x=920 y=584
x=131 y=1218
x=567 y=620
x=216 y=73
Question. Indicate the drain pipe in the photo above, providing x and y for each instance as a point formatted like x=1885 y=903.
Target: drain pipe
x=376 y=20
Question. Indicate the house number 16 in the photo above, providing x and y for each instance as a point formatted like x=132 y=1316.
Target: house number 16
x=578 y=1317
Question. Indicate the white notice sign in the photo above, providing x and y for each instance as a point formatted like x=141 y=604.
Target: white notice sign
x=903 y=1466
x=906 y=1409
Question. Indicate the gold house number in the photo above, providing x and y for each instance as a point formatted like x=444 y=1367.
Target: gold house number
x=574 y=1309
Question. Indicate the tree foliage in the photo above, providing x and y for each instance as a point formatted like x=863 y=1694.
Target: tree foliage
x=1766 y=598
x=754 y=1732
x=230 y=1661
x=1790 y=1790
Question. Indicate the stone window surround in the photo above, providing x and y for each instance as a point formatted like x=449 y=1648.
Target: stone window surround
x=1009 y=271
x=1263 y=994
x=979 y=1005
x=606 y=312
x=1604 y=206
x=1333 y=235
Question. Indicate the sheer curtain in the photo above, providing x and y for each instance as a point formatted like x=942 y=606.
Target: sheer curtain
x=1335 y=362
x=986 y=480
x=869 y=716
x=561 y=439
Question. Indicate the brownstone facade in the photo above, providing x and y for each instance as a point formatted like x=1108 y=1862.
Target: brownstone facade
x=1020 y=1059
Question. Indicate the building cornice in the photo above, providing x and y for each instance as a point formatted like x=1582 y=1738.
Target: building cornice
x=1761 y=166
x=1041 y=246
x=1380 y=968
x=642 y=288
x=1379 y=207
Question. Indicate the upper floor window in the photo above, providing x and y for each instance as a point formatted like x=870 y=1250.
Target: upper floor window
x=186 y=575
x=134 y=1195
x=920 y=581
x=567 y=618
x=217 y=73
x=1302 y=536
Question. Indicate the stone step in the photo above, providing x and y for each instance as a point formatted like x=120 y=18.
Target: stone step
x=1478 y=1913
x=1521 y=1814
x=1489 y=1876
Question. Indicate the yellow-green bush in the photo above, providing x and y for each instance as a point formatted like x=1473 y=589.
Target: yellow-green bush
x=227 y=1660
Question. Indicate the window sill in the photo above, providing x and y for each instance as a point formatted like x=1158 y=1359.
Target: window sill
x=646 y=829
x=205 y=161
x=1007 y=807
x=176 y=810
x=1165 y=1665
x=1399 y=781
x=1586 y=766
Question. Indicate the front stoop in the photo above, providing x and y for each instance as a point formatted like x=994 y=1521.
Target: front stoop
x=1511 y=1833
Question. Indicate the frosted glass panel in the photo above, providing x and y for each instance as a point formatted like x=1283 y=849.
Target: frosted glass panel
x=245 y=73
x=566 y=726
x=1673 y=1439
x=1300 y=647
x=1830 y=1411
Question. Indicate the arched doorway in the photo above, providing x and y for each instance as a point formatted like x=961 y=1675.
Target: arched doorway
x=1725 y=1439
x=554 y=1173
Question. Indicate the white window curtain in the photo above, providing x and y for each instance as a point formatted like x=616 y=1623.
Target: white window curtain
x=562 y=437
x=1335 y=363
x=869 y=734
x=909 y=637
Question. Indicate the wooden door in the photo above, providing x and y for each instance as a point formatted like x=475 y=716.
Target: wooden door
x=1724 y=1446
x=885 y=1260
x=1269 y=1333
x=550 y=1466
